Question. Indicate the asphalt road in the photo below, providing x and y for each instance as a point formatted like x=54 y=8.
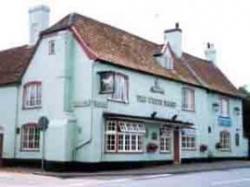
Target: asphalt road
x=226 y=178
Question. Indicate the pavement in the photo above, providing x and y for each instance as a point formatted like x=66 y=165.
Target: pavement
x=155 y=170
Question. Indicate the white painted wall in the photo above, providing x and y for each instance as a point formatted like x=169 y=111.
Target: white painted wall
x=8 y=104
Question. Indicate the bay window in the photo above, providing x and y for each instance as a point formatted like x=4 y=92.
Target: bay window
x=32 y=95
x=188 y=139
x=30 y=137
x=188 y=98
x=165 y=139
x=115 y=84
x=123 y=136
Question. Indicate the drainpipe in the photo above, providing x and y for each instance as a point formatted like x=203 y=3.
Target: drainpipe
x=83 y=143
x=16 y=120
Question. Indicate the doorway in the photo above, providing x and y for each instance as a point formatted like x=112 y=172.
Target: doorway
x=177 y=159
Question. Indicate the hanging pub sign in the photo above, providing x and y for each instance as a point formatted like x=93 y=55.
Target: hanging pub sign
x=155 y=101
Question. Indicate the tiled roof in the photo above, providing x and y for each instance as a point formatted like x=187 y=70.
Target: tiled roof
x=13 y=63
x=121 y=48
x=117 y=47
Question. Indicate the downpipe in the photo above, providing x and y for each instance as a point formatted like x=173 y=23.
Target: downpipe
x=84 y=143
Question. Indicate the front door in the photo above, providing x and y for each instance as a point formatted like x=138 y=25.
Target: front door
x=1 y=148
x=177 y=159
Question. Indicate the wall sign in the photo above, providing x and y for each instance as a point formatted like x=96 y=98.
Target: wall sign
x=155 y=101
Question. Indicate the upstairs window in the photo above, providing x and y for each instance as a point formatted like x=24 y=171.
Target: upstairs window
x=30 y=137
x=224 y=107
x=188 y=97
x=32 y=95
x=51 y=47
x=115 y=84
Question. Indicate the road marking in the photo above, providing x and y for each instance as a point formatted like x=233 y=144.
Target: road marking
x=241 y=180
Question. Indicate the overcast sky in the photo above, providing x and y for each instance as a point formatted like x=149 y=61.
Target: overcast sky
x=226 y=23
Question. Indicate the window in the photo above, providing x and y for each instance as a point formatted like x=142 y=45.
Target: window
x=32 y=96
x=115 y=84
x=169 y=63
x=188 y=139
x=51 y=47
x=225 y=141
x=30 y=137
x=122 y=136
x=107 y=82
x=188 y=99
x=165 y=139
x=224 y=107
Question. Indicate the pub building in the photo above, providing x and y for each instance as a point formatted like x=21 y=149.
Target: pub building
x=112 y=97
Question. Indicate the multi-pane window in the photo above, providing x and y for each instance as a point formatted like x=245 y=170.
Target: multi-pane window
x=123 y=136
x=225 y=141
x=188 y=96
x=115 y=84
x=165 y=139
x=32 y=95
x=51 y=47
x=188 y=139
x=224 y=107
x=30 y=137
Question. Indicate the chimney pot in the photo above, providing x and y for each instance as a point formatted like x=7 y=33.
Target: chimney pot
x=177 y=25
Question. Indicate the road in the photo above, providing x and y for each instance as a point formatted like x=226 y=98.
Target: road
x=226 y=178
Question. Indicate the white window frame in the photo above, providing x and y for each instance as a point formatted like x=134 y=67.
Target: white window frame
x=32 y=95
x=166 y=136
x=121 y=88
x=30 y=137
x=128 y=136
x=225 y=141
x=188 y=99
x=188 y=140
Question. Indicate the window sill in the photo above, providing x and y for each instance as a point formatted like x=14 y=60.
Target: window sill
x=187 y=149
x=29 y=150
x=118 y=101
x=31 y=107
x=188 y=110
x=225 y=150
x=165 y=152
x=120 y=152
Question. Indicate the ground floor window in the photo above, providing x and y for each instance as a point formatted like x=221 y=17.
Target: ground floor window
x=225 y=141
x=30 y=137
x=188 y=139
x=165 y=139
x=124 y=136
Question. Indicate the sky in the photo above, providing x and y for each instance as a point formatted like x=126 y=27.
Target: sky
x=225 y=23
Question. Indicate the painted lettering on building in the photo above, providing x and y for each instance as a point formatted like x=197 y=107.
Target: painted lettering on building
x=155 y=101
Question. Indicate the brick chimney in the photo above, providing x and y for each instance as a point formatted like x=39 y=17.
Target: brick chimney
x=39 y=21
x=174 y=38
